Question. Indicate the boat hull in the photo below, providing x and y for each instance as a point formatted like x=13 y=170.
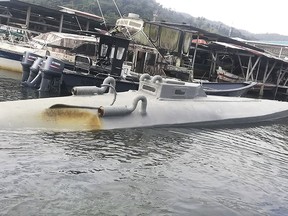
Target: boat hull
x=10 y=61
x=11 y=56
x=68 y=113
x=72 y=78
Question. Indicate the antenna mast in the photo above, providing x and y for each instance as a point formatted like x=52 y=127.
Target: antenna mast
x=117 y=9
x=102 y=14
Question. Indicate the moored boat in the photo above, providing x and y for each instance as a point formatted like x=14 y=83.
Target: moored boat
x=228 y=89
x=55 y=44
x=157 y=102
x=112 y=61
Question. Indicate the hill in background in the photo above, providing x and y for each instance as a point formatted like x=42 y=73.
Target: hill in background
x=149 y=10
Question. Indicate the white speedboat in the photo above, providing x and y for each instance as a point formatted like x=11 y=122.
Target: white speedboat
x=56 y=44
x=157 y=102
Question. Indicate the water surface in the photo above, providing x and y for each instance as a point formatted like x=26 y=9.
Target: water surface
x=239 y=170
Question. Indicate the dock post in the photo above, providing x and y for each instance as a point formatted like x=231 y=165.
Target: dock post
x=61 y=22
x=28 y=17
x=261 y=92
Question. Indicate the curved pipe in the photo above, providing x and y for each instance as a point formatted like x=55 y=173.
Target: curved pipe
x=119 y=111
x=114 y=91
x=144 y=77
x=143 y=99
x=90 y=90
x=157 y=78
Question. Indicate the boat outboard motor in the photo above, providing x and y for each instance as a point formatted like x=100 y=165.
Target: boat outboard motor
x=51 y=70
x=27 y=61
x=35 y=77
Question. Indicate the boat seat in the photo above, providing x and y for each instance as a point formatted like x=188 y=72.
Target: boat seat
x=82 y=64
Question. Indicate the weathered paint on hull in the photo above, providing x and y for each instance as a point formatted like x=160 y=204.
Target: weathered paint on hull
x=35 y=114
x=210 y=110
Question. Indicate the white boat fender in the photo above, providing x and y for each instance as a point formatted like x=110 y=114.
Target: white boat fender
x=124 y=110
x=90 y=90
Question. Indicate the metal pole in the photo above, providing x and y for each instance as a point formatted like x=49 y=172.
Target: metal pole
x=261 y=92
x=278 y=80
x=191 y=74
x=280 y=52
x=28 y=17
x=87 y=25
x=248 y=69
x=104 y=21
x=61 y=22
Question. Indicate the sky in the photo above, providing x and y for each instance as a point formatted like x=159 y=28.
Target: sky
x=255 y=16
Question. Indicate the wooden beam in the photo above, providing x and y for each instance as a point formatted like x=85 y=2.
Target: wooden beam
x=241 y=65
x=261 y=92
x=87 y=25
x=273 y=66
x=280 y=76
x=248 y=68
x=258 y=69
x=28 y=14
x=214 y=63
x=191 y=74
x=280 y=53
x=285 y=83
x=255 y=64
x=61 y=22
x=213 y=59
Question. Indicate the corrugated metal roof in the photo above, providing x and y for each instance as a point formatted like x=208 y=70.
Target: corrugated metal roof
x=249 y=50
x=42 y=18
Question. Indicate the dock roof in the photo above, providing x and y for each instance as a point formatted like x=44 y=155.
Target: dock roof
x=45 y=19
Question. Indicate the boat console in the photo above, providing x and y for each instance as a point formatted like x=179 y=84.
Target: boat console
x=169 y=89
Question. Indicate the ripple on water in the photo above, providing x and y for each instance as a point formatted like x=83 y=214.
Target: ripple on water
x=163 y=171
x=238 y=171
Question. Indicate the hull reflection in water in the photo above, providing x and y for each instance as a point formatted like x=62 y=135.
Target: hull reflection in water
x=220 y=171
x=11 y=88
x=158 y=102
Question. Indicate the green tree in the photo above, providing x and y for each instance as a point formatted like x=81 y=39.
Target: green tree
x=146 y=9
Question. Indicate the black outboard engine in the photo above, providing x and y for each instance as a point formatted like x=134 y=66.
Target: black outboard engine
x=51 y=70
x=27 y=61
x=35 y=77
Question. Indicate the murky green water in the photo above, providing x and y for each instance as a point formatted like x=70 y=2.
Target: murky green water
x=164 y=171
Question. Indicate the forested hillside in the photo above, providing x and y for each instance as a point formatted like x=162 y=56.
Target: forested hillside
x=149 y=9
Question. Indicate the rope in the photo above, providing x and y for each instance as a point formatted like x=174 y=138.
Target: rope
x=102 y=14
x=117 y=9
x=122 y=17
